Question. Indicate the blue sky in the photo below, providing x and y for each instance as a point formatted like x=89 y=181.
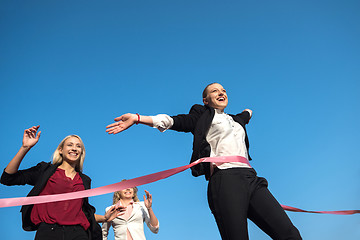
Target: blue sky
x=73 y=66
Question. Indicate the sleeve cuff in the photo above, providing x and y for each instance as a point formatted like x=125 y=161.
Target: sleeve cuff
x=162 y=122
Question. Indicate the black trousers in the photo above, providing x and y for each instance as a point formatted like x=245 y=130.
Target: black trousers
x=236 y=194
x=60 y=232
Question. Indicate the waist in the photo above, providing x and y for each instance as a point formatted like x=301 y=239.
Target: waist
x=57 y=226
x=238 y=170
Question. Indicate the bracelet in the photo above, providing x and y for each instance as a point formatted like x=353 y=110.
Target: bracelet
x=138 y=119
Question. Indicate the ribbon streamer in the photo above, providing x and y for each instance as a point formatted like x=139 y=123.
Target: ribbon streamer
x=11 y=202
x=343 y=212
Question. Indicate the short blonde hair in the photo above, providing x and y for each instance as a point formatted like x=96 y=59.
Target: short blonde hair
x=58 y=159
x=117 y=197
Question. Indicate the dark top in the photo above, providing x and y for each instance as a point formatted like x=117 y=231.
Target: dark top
x=198 y=122
x=38 y=176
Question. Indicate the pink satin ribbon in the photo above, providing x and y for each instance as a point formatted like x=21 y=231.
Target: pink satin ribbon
x=343 y=212
x=10 y=202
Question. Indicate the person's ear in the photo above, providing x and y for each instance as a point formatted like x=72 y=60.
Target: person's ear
x=205 y=101
x=60 y=151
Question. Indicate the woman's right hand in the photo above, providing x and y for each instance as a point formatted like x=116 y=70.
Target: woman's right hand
x=122 y=123
x=31 y=137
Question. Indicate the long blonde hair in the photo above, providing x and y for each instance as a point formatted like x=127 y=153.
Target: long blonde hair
x=58 y=159
x=117 y=197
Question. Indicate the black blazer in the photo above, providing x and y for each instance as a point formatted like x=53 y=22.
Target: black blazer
x=198 y=122
x=38 y=176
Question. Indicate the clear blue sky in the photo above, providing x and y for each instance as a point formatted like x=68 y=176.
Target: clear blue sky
x=73 y=66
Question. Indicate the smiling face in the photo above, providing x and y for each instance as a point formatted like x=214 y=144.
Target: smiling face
x=127 y=193
x=71 y=150
x=215 y=96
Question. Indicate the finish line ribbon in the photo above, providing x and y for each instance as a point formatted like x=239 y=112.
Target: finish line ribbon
x=11 y=202
x=343 y=212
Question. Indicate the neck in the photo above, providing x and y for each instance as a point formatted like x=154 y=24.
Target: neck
x=126 y=201
x=69 y=168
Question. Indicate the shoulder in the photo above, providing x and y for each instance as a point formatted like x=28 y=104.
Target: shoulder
x=41 y=167
x=197 y=108
x=141 y=204
x=243 y=117
x=45 y=165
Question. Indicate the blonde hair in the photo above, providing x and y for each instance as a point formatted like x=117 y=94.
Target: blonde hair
x=117 y=197
x=58 y=159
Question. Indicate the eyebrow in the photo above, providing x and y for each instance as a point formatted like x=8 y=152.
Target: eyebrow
x=74 y=143
x=216 y=88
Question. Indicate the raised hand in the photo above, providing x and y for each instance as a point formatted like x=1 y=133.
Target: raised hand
x=31 y=137
x=122 y=123
x=148 y=200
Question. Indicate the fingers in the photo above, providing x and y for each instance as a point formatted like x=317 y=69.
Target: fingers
x=119 y=118
x=114 y=130
x=38 y=135
x=147 y=194
x=31 y=132
x=121 y=210
x=112 y=125
x=121 y=123
x=117 y=127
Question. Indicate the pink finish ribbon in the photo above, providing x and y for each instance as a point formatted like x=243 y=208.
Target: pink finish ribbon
x=10 y=202
x=343 y=212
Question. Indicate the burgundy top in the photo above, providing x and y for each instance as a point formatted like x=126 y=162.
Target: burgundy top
x=68 y=212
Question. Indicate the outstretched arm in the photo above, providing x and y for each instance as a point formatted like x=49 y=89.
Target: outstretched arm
x=127 y=120
x=30 y=138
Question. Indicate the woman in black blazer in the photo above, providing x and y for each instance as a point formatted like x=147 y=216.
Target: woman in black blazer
x=70 y=219
x=235 y=192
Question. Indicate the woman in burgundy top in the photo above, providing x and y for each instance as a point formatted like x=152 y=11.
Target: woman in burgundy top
x=69 y=219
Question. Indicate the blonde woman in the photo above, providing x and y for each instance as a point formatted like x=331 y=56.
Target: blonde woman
x=71 y=219
x=130 y=226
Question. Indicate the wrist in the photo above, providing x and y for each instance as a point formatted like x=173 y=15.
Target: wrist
x=137 y=121
x=134 y=117
x=25 y=148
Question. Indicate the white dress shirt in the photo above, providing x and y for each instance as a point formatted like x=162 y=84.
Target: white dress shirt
x=225 y=136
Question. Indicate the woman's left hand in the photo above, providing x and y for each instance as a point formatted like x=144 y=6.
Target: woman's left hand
x=148 y=200
x=113 y=212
